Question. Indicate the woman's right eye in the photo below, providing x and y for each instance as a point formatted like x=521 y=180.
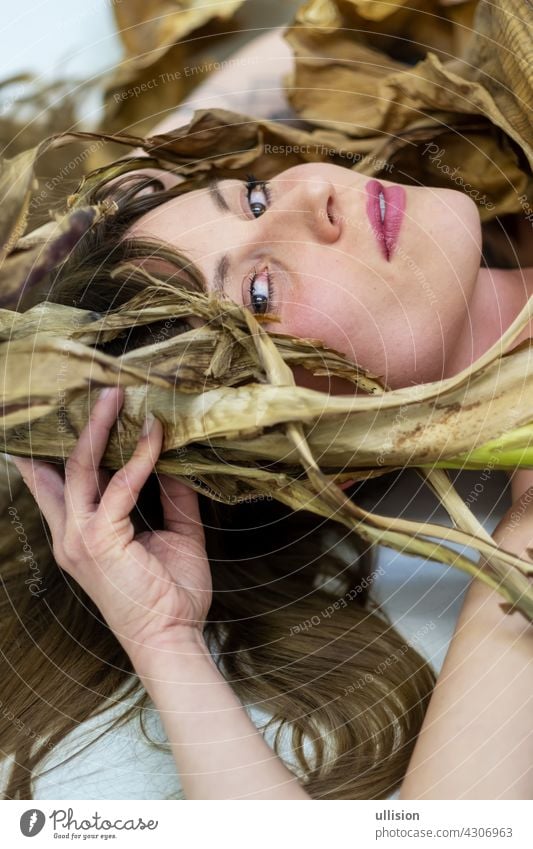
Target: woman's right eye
x=256 y=190
x=261 y=292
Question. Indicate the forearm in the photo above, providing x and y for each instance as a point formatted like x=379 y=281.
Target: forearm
x=476 y=740
x=218 y=751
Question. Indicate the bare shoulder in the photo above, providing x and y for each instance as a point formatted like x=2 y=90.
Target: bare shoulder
x=515 y=530
x=521 y=482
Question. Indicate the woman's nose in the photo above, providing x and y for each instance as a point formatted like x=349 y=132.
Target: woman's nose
x=309 y=205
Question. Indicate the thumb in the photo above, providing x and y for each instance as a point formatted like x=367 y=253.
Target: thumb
x=181 y=511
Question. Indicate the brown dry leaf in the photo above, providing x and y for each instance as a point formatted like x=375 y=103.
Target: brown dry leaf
x=32 y=110
x=16 y=183
x=25 y=271
x=404 y=30
x=136 y=98
x=161 y=64
x=374 y=10
x=43 y=374
x=501 y=62
x=149 y=27
x=459 y=120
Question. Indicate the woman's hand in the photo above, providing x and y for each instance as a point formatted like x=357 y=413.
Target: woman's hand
x=152 y=589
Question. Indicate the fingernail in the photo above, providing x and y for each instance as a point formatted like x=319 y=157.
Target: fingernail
x=104 y=393
x=148 y=422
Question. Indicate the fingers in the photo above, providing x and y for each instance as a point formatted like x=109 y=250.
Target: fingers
x=124 y=488
x=180 y=508
x=46 y=484
x=79 y=493
x=82 y=476
x=346 y=484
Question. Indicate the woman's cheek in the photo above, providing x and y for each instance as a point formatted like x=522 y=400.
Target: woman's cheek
x=318 y=321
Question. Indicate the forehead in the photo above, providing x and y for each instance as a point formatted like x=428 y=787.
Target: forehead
x=195 y=226
x=190 y=222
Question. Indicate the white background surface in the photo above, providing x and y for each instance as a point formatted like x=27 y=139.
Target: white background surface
x=54 y=38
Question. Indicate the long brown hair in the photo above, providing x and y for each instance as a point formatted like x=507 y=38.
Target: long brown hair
x=292 y=623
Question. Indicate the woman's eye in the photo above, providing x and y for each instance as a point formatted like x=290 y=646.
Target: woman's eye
x=258 y=195
x=260 y=290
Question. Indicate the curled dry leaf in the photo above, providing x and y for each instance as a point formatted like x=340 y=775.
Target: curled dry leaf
x=163 y=56
x=457 y=117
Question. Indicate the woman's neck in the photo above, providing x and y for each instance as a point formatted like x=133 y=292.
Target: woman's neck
x=498 y=297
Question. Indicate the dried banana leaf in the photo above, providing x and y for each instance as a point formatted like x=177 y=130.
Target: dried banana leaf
x=456 y=117
x=400 y=28
x=31 y=110
x=149 y=27
x=162 y=63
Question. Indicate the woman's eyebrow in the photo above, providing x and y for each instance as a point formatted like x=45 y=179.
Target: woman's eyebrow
x=216 y=195
x=221 y=274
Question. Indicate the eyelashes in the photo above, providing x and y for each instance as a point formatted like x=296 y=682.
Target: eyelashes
x=256 y=187
x=260 y=285
x=262 y=292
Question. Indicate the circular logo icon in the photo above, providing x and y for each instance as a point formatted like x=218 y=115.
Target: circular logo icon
x=32 y=822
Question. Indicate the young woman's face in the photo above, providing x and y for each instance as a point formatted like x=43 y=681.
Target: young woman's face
x=312 y=248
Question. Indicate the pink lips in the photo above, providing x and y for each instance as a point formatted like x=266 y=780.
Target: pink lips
x=386 y=230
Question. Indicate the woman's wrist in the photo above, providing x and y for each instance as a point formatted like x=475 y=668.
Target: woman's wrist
x=218 y=751
x=174 y=653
